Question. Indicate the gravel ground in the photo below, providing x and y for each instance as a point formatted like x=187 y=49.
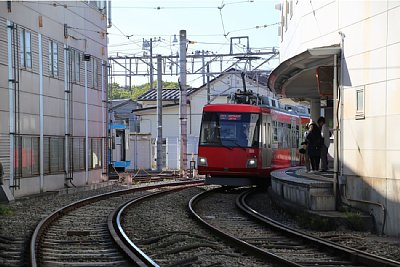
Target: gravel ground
x=16 y=227
x=385 y=246
x=163 y=229
x=22 y=216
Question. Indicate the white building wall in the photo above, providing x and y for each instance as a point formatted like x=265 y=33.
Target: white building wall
x=370 y=151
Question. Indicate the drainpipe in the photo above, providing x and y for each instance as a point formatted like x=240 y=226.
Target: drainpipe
x=335 y=134
x=86 y=126
x=41 y=119
x=339 y=117
x=66 y=111
x=11 y=82
x=103 y=119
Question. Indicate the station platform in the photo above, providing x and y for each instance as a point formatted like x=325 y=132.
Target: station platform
x=300 y=192
x=313 y=191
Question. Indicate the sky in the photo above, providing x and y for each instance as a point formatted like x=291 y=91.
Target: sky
x=209 y=25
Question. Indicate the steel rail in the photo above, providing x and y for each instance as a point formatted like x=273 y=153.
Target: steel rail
x=356 y=256
x=122 y=239
x=40 y=229
x=265 y=255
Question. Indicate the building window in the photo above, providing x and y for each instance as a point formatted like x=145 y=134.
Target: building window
x=94 y=73
x=25 y=48
x=26 y=156
x=95 y=153
x=53 y=155
x=360 y=103
x=53 y=58
x=78 y=153
x=76 y=63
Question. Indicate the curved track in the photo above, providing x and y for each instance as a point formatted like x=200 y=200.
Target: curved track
x=270 y=239
x=167 y=235
x=78 y=234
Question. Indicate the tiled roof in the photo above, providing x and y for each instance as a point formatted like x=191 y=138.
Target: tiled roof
x=167 y=94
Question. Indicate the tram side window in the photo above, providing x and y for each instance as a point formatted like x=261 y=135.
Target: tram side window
x=281 y=134
x=254 y=135
x=275 y=132
x=286 y=135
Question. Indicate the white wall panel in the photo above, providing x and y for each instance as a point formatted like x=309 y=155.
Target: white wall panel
x=365 y=163
x=368 y=67
x=365 y=134
x=393 y=61
x=354 y=11
x=373 y=106
x=393 y=97
x=393 y=134
x=366 y=35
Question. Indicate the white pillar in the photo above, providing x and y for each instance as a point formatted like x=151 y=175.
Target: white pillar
x=41 y=118
x=86 y=126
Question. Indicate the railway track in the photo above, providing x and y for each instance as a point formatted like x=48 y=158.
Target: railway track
x=168 y=236
x=271 y=240
x=78 y=234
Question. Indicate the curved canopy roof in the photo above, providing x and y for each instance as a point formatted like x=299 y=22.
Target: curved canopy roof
x=296 y=77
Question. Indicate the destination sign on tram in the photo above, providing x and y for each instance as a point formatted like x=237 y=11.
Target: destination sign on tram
x=230 y=117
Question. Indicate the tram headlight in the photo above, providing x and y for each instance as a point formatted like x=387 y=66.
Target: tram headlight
x=252 y=163
x=202 y=162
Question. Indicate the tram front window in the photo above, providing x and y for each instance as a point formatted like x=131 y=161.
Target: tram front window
x=229 y=129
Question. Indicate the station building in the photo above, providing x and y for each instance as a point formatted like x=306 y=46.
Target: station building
x=53 y=118
x=342 y=58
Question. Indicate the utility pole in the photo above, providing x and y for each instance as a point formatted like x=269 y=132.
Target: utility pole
x=208 y=84
x=151 y=64
x=182 y=104
x=159 y=113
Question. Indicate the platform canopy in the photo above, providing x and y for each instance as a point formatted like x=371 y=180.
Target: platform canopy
x=307 y=75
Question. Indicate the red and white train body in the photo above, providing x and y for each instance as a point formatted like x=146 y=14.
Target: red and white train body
x=240 y=144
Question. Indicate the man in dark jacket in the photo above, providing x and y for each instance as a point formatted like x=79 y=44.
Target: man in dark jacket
x=314 y=141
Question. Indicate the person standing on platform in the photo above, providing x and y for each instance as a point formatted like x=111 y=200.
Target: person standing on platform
x=314 y=141
x=325 y=133
x=306 y=157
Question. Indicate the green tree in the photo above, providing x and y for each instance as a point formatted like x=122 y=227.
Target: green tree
x=115 y=91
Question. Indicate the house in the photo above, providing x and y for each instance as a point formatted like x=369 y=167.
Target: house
x=120 y=111
x=219 y=89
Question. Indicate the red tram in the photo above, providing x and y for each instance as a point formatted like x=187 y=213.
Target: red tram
x=240 y=144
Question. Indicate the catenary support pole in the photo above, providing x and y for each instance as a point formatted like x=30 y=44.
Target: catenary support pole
x=159 y=113
x=182 y=102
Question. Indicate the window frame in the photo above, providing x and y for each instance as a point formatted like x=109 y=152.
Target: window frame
x=360 y=103
x=25 y=45
x=53 y=58
x=95 y=69
x=75 y=65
